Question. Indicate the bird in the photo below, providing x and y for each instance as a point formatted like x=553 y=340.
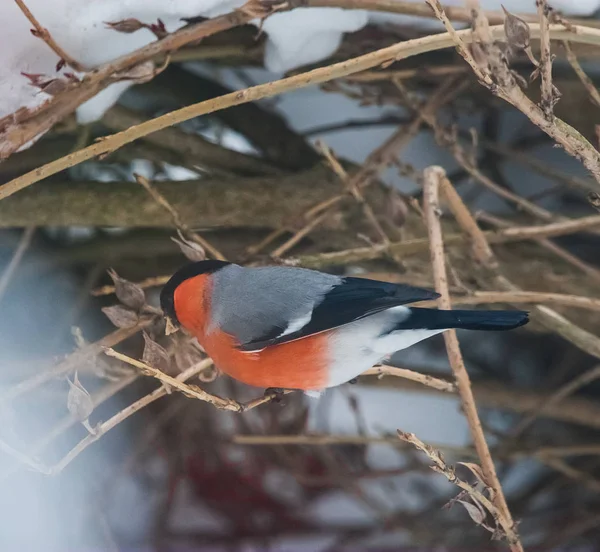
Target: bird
x=292 y=328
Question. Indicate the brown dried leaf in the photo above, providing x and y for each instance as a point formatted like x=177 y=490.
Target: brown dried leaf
x=193 y=251
x=127 y=292
x=54 y=86
x=476 y=513
x=140 y=73
x=128 y=26
x=79 y=401
x=155 y=355
x=516 y=30
x=121 y=316
x=476 y=470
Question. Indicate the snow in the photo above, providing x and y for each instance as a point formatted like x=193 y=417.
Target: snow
x=296 y=38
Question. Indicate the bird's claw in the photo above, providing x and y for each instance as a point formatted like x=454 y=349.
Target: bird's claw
x=274 y=393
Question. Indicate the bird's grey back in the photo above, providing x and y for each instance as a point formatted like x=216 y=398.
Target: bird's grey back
x=251 y=303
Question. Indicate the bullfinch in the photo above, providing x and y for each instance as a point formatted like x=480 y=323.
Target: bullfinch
x=294 y=328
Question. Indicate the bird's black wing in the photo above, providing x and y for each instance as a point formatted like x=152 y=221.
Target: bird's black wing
x=352 y=299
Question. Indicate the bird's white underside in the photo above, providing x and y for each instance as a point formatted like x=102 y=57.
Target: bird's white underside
x=358 y=346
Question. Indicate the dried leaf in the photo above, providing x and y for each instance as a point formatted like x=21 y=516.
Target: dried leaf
x=190 y=249
x=516 y=30
x=127 y=292
x=121 y=316
x=475 y=512
x=476 y=471
x=140 y=73
x=54 y=86
x=128 y=26
x=79 y=401
x=155 y=355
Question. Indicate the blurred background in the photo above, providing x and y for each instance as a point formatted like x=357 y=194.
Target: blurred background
x=166 y=472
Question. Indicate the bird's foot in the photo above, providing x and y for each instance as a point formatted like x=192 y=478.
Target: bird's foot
x=353 y=381
x=274 y=393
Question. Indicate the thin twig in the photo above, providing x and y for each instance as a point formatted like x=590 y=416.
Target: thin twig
x=557 y=250
x=192 y=391
x=12 y=139
x=121 y=416
x=416 y=245
x=585 y=80
x=434 y=176
x=500 y=515
x=354 y=190
x=160 y=199
x=495 y=75
x=44 y=34
x=12 y=266
x=571 y=472
x=559 y=395
x=429 y=381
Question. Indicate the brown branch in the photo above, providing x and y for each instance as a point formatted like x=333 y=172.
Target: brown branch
x=454 y=13
x=545 y=65
x=434 y=177
x=500 y=514
x=192 y=391
x=497 y=77
x=548 y=245
x=548 y=317
x=423 y=379
x=12 y=137
x=572 y=473
x=572 y=410
x=408 y=247
x=585 y=80
x=182 y=226
x=121 y=416
x=559 y=395
x=43 y=34
x=354 y=190
x=15 y=137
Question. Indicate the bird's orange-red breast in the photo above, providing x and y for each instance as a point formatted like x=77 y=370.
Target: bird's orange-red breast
x=300 y=364
x=295 y=328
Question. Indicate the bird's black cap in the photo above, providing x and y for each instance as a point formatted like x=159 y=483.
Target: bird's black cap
x=167 y=300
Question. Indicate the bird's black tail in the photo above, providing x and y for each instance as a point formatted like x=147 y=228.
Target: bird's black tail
x=490 y=320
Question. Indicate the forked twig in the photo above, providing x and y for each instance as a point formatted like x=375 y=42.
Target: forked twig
x=44 y=34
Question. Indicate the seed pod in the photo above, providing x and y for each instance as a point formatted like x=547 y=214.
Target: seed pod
x=516 y=30
x=155 y=355
x=127 y=292
x=127 y=26
x=121 y=316
x=190 y=249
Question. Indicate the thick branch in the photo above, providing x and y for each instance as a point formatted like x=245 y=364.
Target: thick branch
x=253 y=202
x=16 y=136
